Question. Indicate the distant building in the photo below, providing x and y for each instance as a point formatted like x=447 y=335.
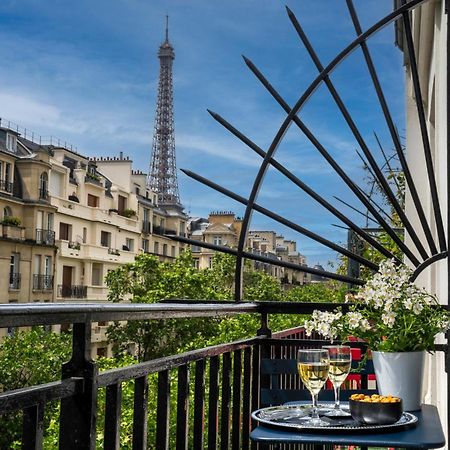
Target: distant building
x=224 y=228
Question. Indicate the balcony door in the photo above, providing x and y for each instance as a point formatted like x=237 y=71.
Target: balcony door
x=67 y=281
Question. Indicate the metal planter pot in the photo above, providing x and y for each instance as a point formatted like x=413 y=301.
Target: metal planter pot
x=401 y=374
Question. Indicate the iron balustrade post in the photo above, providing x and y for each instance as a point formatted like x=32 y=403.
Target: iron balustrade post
x=78 y=417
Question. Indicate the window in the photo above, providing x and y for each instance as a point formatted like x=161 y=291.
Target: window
x=47 y=266
x=156 y=248
x=92 y=200
x=84 y=235
x=146 y=215
x=14 y=275
x=65 y=231
x=217 y=240
x=8 y=172
x=122 y=204
x=48 y=279
x=210 y=262
x=129 y=243
x=97 y=274
x=137 y=191
x=7 y=212
x=196 y=263
x=37 y=264
x=165 y=249
x=145 y=245
x=182 y=228
x=43 y=185
x=105 y=239
x=11 y=142
x=173 y=251
x=50 y=218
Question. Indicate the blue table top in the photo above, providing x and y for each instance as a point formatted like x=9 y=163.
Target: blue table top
x=426 y=434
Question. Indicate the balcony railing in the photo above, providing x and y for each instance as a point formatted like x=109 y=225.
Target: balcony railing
x=43 y=194
x=6 y=186
x=228 y=380
x=113 y=251
x=42 y=282
x=72 y=291
x=14 y=280
x=162 y=230
x=46 y=237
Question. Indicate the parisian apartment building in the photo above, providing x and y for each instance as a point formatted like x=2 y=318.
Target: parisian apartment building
x=224 y=228
x=66 y=220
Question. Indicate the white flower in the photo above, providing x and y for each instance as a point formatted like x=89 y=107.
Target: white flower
x=388 y=318
x=408 y=303
x=323 y=329
x=365 y=325
x=354 y=319
x=417 y=308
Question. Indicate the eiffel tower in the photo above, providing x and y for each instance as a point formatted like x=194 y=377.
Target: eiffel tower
x=162 y=177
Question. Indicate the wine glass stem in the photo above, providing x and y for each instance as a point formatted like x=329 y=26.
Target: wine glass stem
x=314 y=412
x=337 y=404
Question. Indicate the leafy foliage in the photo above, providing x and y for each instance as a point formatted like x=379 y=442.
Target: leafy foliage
x=28 y=358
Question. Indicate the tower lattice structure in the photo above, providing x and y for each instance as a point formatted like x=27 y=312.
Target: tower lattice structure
x=162 y=177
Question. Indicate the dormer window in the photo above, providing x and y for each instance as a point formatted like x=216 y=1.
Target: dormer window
x=11 y=142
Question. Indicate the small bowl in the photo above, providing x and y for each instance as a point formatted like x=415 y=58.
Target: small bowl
x=376 y=413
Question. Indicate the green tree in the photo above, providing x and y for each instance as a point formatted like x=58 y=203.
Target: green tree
x=28 y=358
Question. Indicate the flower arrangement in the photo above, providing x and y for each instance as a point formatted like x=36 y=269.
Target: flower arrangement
x=389 y=312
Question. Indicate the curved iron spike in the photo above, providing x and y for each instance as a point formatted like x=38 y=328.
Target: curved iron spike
x=292 y=117
x=354 y=129
x=275 y=262
x=393 y=132
x=356 y=210
x=388 y=164
x=369 y=239
x=428 y=262
x=369 y=196
x=424 y=133
x=282 y=220
x=378 y=206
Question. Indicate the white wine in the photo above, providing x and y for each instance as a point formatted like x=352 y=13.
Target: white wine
x=339 y=370
x=313 y=375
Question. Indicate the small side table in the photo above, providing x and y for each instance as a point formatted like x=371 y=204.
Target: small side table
x=426 y=434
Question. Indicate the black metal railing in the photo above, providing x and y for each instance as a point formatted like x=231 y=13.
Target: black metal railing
x=217 y=387
x=72 y=291
x=46 y=237
x=42 y=282
x=14 y=280
x=6 y=186
x=158 y=230
x=43 y=194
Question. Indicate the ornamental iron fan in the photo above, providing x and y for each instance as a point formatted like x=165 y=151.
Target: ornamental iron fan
x=420 y=254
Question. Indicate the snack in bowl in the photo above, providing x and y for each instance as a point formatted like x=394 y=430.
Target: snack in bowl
x=375 y=409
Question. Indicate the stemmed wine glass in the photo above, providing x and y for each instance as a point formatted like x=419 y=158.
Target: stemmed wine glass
x=340 y=364
x=313 y=366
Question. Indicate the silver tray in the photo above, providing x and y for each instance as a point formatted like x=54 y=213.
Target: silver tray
x=292 y=416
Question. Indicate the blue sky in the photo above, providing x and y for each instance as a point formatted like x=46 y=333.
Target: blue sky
x=87 y=73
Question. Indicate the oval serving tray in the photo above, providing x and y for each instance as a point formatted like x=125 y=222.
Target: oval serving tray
x=291 y=416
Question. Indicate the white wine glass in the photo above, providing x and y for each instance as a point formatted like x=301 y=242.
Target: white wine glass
x=313 y=366
x=340 y=364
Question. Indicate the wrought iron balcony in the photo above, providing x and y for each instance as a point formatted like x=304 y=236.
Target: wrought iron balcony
x=6 y=186
x=233 y=379
x=42 y=282
x=43 y=194
x=14 y=280
x=46 y=237
x=158 y=230
x=72 y=291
